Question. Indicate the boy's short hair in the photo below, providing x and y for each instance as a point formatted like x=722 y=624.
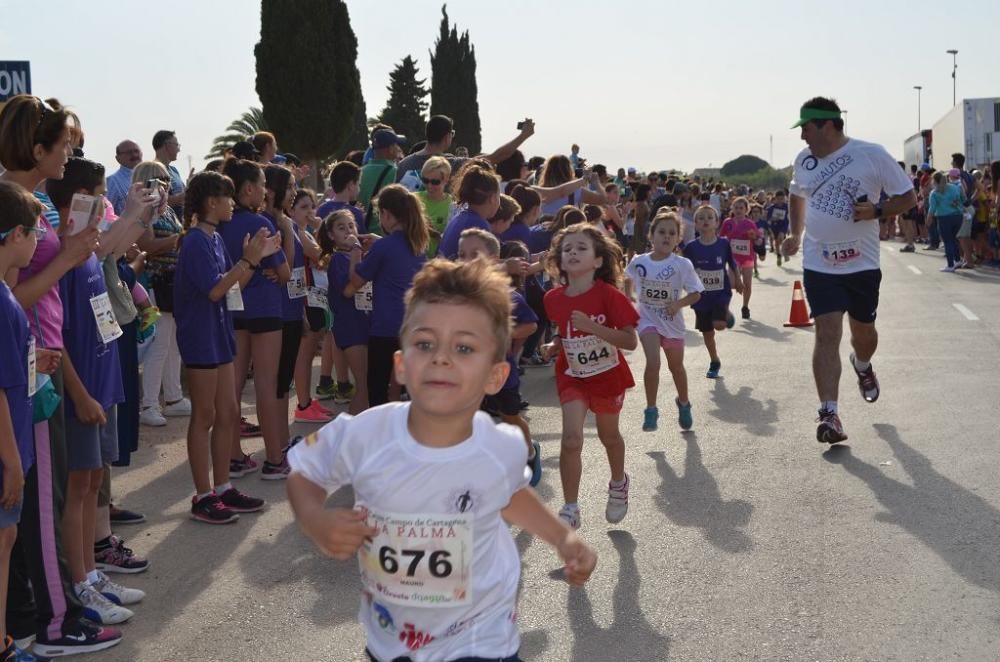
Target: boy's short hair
x=18 y=207
x=476 y=284
x=488 y=238
x=343 y=174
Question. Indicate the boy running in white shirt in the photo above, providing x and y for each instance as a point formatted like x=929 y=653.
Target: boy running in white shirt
x=436 y=483
x=659 y=277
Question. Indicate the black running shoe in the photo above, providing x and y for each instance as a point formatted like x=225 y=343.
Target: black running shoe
x=830 y=429
x=86 y=639
x=238 y=502
x=745 y=312
x=211 y=510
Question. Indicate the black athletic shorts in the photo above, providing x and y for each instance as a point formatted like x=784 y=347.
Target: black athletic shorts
x=507 y=401
x=979 y=229
x=856 y=294
x=316 y=319
x=257 y=324
x=704 y=320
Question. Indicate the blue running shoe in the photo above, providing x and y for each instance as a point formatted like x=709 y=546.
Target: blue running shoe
x=684 y=415
x=713 y=369
x=649 y=418
x=536 y=465
x=730 y=320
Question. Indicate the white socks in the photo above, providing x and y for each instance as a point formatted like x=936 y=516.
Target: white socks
x=860 y=365
x=829 y=405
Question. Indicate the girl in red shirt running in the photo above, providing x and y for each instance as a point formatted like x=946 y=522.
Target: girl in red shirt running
x=594 y=321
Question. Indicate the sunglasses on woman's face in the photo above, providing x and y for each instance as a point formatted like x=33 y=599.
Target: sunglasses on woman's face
x=430 y=182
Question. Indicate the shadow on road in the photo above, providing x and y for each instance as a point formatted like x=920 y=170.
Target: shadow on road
x=958 y=525
x=761 y=330
x=630 y=635
x=694 y=500
x=742 y=409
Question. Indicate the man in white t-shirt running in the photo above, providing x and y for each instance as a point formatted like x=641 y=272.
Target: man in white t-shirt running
x=841 y=187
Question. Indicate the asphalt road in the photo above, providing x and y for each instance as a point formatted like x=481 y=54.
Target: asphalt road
x=746 y=539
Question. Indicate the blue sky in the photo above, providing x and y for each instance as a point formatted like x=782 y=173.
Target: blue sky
x=647 y=84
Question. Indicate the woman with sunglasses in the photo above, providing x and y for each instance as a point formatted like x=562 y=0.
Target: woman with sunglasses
x=438 y=203
x=34 y=146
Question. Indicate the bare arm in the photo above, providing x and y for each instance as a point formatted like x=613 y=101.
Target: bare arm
x=528 y=512
x=524 y=330
x=507 y=150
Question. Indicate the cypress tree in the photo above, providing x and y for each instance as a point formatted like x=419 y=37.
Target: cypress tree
x=453 y=84
x=307 y=78
x=405 y=109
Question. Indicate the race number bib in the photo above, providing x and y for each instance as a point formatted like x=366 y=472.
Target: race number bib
x=740 y=246
x=234 y=298
x=589 y=356
x=316 y=297
x=363 y=298
x=32 y=367
x=777 y=214
x=107 y=325
x=296 y=285
x=841 y=254
x=713 y=281
x=418 y=560
x=656 y=293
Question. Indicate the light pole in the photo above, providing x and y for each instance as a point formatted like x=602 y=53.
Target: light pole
x=918 y=88
x=954 y=68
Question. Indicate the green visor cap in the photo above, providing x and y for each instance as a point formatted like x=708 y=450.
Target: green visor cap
x=808 y=114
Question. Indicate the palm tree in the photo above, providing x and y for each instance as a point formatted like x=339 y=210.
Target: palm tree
x=248 y=124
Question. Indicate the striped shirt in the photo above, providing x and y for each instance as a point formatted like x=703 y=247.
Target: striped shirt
x=118 y=186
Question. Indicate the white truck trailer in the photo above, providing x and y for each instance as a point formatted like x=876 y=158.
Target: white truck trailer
x=971 y=128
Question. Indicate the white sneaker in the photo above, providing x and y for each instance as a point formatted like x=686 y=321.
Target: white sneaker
x=151 y=417
x=617 y=502
x=570 y=515
x=180 y=408
x=117 y=593
x=98 y=608
x=948 y=270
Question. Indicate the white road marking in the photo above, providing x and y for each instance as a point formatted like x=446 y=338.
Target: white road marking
x=968 y=314
x=914 y=269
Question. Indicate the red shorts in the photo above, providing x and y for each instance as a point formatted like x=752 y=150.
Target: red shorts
x=596 y=403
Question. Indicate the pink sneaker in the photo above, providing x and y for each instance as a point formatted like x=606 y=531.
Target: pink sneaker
x=313 y=414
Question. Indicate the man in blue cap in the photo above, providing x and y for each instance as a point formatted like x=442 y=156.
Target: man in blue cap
x=841 y=187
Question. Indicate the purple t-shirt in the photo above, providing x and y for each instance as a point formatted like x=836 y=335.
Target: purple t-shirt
x=710 y=262
x=517 y=232
x=539 y=239
x=390 y=265
x=331 y=206
x=350 y=325
x=293 y=309
x=204 y=327
x=14 y=337
x=46 y=318
x=461 y=222
x=520 y=313
x=261 y=297
x=95 y=362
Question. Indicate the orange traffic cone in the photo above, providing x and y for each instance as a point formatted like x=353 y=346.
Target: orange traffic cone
x=799 y=315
